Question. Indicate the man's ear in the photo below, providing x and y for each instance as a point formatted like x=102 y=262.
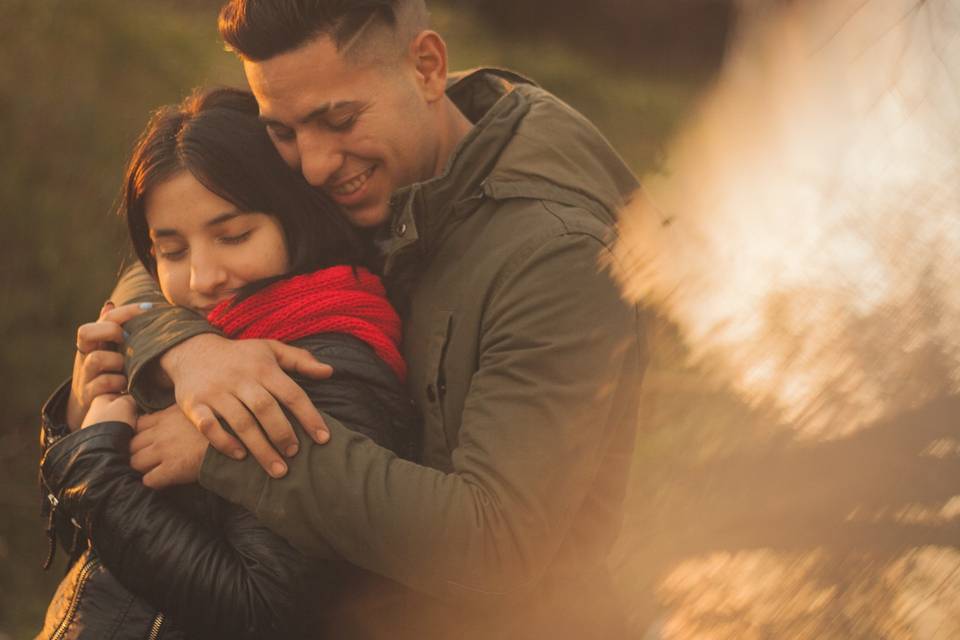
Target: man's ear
x=429 y=54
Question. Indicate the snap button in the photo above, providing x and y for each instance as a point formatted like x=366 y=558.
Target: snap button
x=402 y=229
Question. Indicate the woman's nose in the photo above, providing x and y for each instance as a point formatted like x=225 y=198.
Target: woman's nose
x=207 y=276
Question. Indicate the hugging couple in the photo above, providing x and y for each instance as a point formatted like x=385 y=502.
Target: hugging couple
x=448 y=456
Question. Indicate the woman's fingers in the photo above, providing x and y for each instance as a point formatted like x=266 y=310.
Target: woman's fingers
x=99 y=362
x=108 y=329
x=106 y=384
x=107 y=307
x=94 y=336
x=122 y=314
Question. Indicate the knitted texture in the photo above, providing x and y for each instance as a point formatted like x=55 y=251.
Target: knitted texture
x=332 y=300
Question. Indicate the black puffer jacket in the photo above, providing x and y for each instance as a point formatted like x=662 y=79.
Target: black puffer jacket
x=184 y=561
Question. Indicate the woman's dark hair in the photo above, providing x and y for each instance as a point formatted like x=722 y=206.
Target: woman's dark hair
x=217 y=137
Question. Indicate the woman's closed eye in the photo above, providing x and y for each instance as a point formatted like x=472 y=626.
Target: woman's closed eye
x=239 y=238
x=171 y=254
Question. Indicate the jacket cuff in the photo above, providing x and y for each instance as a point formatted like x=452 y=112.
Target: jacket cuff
x=61 y=456
x=143 y=360
x=241 y=482
x=53 y=416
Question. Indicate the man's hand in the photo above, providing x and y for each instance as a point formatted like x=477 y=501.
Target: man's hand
x=98 y=367
x=243 y=382
x=167 y=449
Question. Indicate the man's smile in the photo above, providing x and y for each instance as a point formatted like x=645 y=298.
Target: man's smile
x=351 y=187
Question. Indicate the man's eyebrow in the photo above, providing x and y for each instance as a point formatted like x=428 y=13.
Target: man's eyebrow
x=316 y=113
x=220 y=219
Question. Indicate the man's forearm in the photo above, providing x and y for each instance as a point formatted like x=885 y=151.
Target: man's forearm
x=536 y=428
x=152 y=334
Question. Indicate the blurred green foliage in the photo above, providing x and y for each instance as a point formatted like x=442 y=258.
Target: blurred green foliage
x=77 y=82
x=655 y=36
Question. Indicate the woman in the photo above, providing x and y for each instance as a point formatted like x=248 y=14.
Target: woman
x=230 y=232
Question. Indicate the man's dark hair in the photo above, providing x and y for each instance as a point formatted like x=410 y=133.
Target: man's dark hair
x=261 y=29
x=217 y=137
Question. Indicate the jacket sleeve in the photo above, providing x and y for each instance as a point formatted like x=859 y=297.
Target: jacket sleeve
x=246 y=579
x=558 y=352
x=153 y=333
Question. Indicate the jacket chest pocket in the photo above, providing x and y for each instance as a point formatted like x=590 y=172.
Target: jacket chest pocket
x=433 y=391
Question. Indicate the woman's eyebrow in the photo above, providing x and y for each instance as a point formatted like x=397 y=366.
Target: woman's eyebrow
x=226 y=216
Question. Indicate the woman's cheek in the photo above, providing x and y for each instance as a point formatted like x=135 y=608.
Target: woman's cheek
x=169 y=276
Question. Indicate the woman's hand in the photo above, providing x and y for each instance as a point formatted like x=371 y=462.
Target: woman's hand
x=111 y=408
x=167 y=449
x=98 y=366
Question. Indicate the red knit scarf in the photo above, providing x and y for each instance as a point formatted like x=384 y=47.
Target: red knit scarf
x=332 y=300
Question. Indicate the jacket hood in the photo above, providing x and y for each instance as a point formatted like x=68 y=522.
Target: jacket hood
x=525 y=143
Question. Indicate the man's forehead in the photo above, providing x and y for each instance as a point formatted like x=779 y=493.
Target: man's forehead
x=314 y=77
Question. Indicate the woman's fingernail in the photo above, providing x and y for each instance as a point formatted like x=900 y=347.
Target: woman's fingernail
x=146 y=306
x=292 y=450
x=278 y=469
x=238 y=454
x=323 y=436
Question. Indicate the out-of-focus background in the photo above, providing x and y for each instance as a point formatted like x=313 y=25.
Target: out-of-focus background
x=77 y=82
x=798 y=462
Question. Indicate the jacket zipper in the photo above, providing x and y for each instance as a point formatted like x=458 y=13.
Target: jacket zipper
x=75 y=602
x=155 y=628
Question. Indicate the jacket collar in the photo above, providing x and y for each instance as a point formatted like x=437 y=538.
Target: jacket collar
x=421 y=211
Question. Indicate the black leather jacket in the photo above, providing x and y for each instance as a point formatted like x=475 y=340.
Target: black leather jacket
x=184 y=563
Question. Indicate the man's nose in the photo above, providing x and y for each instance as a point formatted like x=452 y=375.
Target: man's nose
x=320 y=159
x=207 y=276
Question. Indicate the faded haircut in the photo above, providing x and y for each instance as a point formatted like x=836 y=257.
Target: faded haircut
x=258 y=30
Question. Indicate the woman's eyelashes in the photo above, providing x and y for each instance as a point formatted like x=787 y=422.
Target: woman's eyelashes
x=168 y=253
x=239 y=238
x=178 y=252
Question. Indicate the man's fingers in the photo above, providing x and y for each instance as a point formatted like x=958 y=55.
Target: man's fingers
x=206 y=422
x=140 y=441
x=146 y=422
x=300 y=361
x=296 y=400
x=145 y=459
x=247 y=429
x=158 y=478
x=272 y=420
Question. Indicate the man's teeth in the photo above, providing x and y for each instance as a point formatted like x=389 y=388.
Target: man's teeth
x=353 y=185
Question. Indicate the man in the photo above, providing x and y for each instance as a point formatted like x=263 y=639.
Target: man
x=493 y=203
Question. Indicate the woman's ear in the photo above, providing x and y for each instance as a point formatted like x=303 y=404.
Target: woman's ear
x=429 y=54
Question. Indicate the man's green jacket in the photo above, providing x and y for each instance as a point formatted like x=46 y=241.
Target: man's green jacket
x=526 y=365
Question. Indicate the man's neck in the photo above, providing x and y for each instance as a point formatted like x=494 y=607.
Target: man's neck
x=455 y=128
